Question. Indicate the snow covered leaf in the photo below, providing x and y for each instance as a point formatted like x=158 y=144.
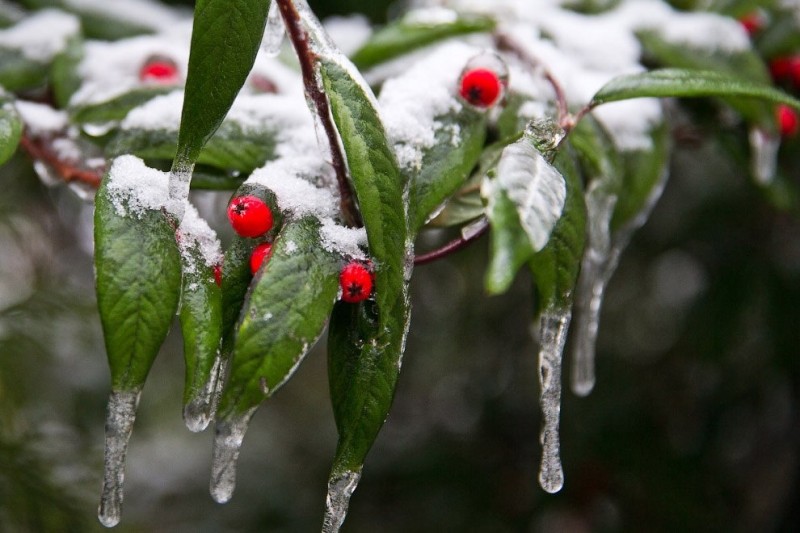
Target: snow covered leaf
x=138 y=271
x=201 y=318
x=536 y=189
x=10 y=128
x=283 y=316
x=446 y=165
x=419 y=28
x=687 y=83
x=226 y=37
x=64 y=73
x=555 y=268
x=377 y=182
x=116 y=108
x=230 y=147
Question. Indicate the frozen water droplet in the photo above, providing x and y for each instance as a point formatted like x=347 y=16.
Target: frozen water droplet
x=198 y=411
x=227 y=443
x=591 y=286
x=274 y=31
x=764 y=158
x=46 y=173
x=340 y=489
x=545 y=134
x=119 y=424
x=553 y=329
x=98 y=130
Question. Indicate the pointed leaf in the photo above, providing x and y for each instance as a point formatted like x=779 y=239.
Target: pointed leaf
x=447 y=164
x=137 y=262
x=116 y=108
x=10 y=128
x=411 y=33
x=283 y=316
x=225 y=39
x=377 y=182
x=64 y=72
x=686 y=83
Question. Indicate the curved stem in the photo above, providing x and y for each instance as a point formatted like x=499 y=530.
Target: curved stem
x=299 y=38
x=476 y=231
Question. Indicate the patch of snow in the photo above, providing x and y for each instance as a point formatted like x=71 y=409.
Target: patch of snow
x=42 y=35
x=41 y=119
x=144 y=13
x=135 y=188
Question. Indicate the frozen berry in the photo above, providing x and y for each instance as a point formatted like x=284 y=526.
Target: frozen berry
x=788 y=121
x=250 y=216
x=481 y=87
x=218 y=275
x=356 y=282
x=262 y=84
x=259 y=255
x=752 y=22
x=159 y=70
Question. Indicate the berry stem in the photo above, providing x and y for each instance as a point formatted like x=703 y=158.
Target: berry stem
x=476 y=231
x=299 y=38
x=40 y=150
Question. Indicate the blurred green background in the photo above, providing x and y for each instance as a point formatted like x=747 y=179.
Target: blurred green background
x=693 y=425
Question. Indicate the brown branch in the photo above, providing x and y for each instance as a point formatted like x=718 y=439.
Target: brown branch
x=40 y=150
x=453 y=246
x=507 y=43
x=308 y=58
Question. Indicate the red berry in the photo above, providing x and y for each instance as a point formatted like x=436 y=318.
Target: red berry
x=752 y=22
x=218 y=275
x=260 y=253
x=481 y=87
x=159 y=70
x=356 y=282
x=250 y=216
x=788 y=121
x=263 y=84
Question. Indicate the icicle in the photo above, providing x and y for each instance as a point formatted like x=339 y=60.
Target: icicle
x=340 y=489
x=592 y=282
x=764 y=158
x=227 y=443
x=274 y=31
x=553 y=332
x=119 y=424
x=199 y=411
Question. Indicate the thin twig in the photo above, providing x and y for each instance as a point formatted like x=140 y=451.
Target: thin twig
x=40 y=150
x=507 y=43
x=308 y=58
x=454 y=245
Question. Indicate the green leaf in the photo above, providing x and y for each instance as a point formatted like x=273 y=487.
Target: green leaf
x=686 y=83
x=10 y=128
x=116 y=108
x=376 y=180
x=509 y=246
x=231 y=148
x=201 y=322
x=447 y=164
x=555 y=268
x=643 y=170
x=18 y=73
x=137 y=262
x=407 y=35
x=64 y=71
x=226 y=36
x=283 y=316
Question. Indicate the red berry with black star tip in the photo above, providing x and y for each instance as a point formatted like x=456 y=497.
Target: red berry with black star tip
x=218 y=275
x=159 y=70
x=481 y=87
x=356 y=282
x=250 y=216
x=788 y=121
x=261 y=253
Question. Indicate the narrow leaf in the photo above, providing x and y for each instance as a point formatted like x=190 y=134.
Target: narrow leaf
x=283 y=316
x=411 y=33
x=686 y=83
x=138 y=272
x=10 y=128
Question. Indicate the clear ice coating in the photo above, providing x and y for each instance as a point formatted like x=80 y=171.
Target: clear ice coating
x=199 y=411
x=596 y=269
x=553 y=325
x=227 y=443
x=764 y=147
x=340 y=489
x=274 y=31
x=119 y=424
x=179 y=179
